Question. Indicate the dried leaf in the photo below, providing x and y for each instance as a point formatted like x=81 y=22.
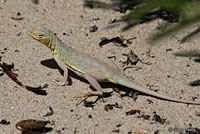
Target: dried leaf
x=132 y=112
x=17 y=18
x=49 y=113
x=31 y=124
x=7 y=69
x=120 y=40
x=157 y=118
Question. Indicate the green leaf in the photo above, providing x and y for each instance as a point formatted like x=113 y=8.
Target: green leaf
x=45 y=85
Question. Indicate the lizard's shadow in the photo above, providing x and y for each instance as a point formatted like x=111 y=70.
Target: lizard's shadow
x=51 y=63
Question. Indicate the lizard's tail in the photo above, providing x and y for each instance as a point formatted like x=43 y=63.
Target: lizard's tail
x=130 y=84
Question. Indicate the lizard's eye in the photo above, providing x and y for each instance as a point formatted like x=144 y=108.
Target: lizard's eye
x=40 y=35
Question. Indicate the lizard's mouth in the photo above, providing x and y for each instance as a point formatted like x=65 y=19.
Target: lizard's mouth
x=33 y=35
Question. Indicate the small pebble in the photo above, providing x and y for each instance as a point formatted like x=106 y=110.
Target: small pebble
x=89 y=116
x=4 y=122
x=3 y=1
x=18 y=13
x=93 y=28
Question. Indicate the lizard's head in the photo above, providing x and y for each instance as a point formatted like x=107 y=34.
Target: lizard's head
x=42 y=35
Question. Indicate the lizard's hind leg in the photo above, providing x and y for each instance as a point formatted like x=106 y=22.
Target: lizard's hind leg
x=93 y=82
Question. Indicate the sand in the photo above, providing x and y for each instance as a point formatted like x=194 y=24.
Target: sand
x=167 y=73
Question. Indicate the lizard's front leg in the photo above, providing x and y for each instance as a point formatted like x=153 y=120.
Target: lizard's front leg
x=62 y=65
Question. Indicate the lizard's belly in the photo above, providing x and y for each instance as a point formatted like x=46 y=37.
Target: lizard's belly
x=74 y=70
x=81 y=74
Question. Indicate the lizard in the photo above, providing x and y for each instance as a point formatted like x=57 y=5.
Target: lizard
x=90 y=68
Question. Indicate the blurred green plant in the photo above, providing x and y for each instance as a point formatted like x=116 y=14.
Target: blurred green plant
x=188 y=12
x=177 y=13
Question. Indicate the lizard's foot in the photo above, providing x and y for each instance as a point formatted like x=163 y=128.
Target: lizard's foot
x=100 y=95
x=62 y=83
x=67 y=82
x=84 y=97
x=91 y=94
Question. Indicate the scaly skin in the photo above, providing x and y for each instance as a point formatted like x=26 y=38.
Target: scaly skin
x=90 y=68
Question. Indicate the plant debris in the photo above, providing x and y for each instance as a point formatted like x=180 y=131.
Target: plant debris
x=132 y=112
x=118 y=125
x=132 y=58
x=95 y=19
x=112 y=57
x=18 y=17
x=134 y=95
x=131 y=94
x=4 y=122
x=156 y=132
x=132 y=66
x=116 y=131
x=1 y=73
x=109 y=107
x=150 y=101
x=49 y=113
x=123 y=6
x=146 y=117
x=7 y=68
x=33 y=126
x=45 y=85
x=88 y=103
x=89 y=116
x=148 y=52
x=192 y=130
x=197 y=113
x=157 y=118
x=93 y=28
x=120 y=40
x=36 y=2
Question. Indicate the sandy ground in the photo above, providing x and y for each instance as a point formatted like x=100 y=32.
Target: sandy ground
x=167 y=73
